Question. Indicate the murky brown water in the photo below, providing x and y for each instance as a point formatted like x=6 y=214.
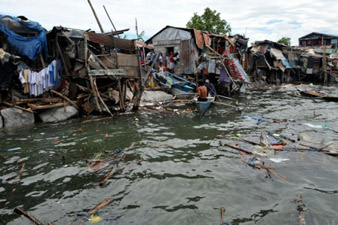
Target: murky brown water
x=184 y=176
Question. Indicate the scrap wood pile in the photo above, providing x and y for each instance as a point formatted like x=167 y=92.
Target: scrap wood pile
x=254 y=150
x=86 y=70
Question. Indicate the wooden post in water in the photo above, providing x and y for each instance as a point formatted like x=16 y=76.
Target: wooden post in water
x=325 y=65
x=324 y=61
x=121 y=94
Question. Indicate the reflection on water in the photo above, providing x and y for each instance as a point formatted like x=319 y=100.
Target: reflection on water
x=176 y=173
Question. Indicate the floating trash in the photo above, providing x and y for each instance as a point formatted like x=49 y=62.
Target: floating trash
x=14 y=149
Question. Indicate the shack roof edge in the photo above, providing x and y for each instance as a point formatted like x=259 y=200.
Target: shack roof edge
x=322 y=34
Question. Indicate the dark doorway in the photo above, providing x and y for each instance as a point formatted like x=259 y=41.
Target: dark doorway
x=170 y=49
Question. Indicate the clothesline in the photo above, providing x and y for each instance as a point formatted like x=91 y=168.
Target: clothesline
x=36 y=83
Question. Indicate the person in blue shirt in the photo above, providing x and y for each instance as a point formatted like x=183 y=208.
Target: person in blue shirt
x=211 y=88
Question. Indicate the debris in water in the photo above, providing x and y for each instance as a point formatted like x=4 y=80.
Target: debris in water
x=94 y=219
x=14 y=149
x=301 y=209
x=56 y=142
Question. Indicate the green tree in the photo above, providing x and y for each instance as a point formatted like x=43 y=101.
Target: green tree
x=209 y=21
x=285 y=41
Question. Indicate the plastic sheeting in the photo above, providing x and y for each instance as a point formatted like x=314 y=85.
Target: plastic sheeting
x=236 y=70
x=28 y=46
x=277 y=53
x=286 y=63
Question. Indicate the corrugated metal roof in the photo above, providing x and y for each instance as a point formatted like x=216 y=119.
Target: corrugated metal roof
x=127 y=45
x=320 y=34
x=180 y=28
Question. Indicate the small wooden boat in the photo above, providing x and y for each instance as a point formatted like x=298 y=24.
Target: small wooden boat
x=202 y=106
x=330 y=98
x=180 y=87
x=319 y=95
x=311 y=94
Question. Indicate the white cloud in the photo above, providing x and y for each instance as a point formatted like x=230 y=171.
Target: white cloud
x=296 y=18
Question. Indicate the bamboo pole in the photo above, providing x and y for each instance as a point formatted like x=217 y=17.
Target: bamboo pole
x=65 y=98
x=110 y=20
x=102 y=204
x=18 y=107
x=50 y=106
x=237 y=148
x=97 y=19
x=26 y=214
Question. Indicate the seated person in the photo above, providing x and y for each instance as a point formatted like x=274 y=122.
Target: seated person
x=211 y=88
x=202 y=92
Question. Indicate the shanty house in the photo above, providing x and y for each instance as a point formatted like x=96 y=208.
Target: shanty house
x=267 y=60
x=177 y=40
x=91 y=71
x=318 y=39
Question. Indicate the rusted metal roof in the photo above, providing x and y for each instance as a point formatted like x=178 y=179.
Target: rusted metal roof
x=103 y=39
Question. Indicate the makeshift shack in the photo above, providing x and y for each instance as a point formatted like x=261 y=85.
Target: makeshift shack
x=177 y=40
x=267 y=61
x=203 y=55
x=43 y=70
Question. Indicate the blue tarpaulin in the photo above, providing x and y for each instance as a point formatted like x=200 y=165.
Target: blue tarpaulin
x=286 y=63
x=28 y=46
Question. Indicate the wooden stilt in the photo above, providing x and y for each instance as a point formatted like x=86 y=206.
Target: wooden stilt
x=124 y=91
x=120 y=94
x=99 y=96
x=95 y=94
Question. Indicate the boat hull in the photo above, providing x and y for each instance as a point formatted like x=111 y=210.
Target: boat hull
x=181 y=94
x=202 y=106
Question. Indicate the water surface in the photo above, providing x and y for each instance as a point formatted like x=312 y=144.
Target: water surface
x=176 y=173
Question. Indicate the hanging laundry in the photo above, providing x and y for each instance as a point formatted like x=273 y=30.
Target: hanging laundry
x=223 y=77
x=32 y=83
x=45 y=79
x=36 y=83
x=55 y=72
x=24 y=78
x=39 y=84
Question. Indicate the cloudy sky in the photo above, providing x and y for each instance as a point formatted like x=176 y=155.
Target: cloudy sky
x=258 y=20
